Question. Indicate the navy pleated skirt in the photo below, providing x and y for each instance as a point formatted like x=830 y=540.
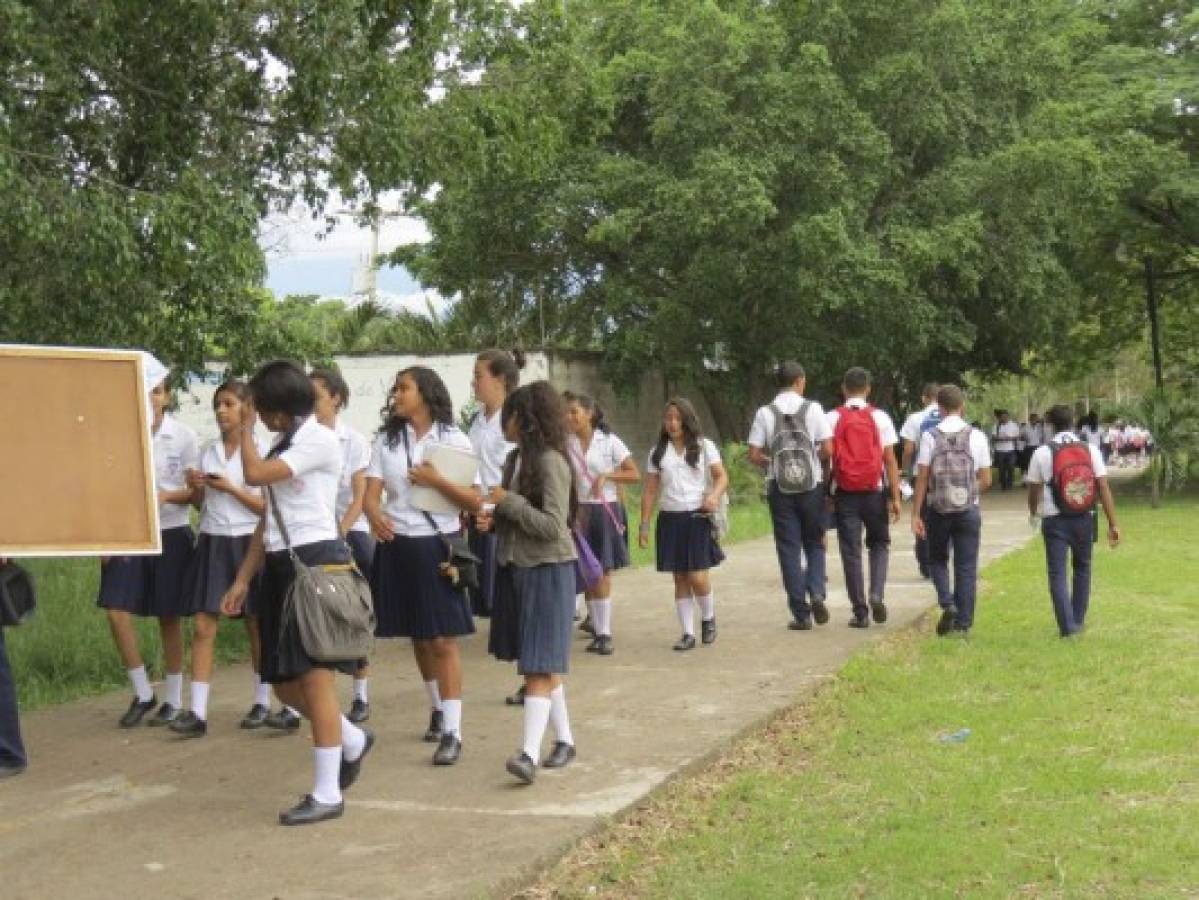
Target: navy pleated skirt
x=362 y=546
x=483 y=545
x=150 y=585
x=213 y=567
x=685 y=543
x=547 y=609
x=412 y=598
x=283 y=655
x=609 y=545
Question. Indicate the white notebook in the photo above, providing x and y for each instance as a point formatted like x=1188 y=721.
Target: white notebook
x=459 y=466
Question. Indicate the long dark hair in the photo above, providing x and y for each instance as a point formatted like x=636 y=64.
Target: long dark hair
x=692 y=435
x=432 y=391
x=587 y=402
x=281 y=386
x=539 y=418
x=504 y=365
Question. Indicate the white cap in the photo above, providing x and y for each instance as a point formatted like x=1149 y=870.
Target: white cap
x=155 y=371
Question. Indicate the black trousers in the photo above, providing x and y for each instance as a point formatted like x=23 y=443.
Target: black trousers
x=855 y=512
x=12 y=750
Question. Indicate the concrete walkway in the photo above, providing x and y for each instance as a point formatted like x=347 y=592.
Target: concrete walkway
x=109 y=813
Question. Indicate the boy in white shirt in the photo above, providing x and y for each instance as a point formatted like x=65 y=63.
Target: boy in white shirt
x=913 y=426
x=1068 y=530
x=1006 y=434
x=953 y=468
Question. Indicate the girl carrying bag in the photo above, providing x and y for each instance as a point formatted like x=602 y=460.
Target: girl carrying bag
x=331 y=604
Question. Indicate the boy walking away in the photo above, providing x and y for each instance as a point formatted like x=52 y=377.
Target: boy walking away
x=913 y=427
x=789 y=438
x=953 y=467
x=1066 y=478
x=864 y=442
x=1005 y=435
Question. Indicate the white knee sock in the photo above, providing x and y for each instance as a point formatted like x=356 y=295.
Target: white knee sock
x=434 y=694
x=707 y=607
x=327 y=765
x=558 y=716
x=141 y=684
x=601 y=616
x=262 y=692
x=685 y=607
x=353 y=740
x=175 y=689
x=537 y=716
x=200 y=699
x=360 y=689
x=452 y=723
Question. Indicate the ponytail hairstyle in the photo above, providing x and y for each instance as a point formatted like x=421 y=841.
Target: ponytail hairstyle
x=281 y=386
x=692 y=435
x=504 y=365
x=537 y=412
x=232 y=386
x=334 y=383
x=432 y=391
x=598 y=422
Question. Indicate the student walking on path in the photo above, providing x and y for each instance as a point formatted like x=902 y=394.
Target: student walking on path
x=1005 y=436
x=953 y=468
x=789 y=438
x=865 y=480
x=913 y=427
x=1066 y=479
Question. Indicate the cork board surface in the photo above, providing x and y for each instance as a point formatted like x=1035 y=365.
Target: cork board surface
x=76 y=472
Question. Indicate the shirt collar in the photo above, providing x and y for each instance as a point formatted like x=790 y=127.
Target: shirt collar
x=857 y=402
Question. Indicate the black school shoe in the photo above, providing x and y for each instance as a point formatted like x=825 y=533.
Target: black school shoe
x=448 y=750
x=309 y=811
x=686 y=642
x=586 y=626
x=436 y=724
x=7 y=771
x=878 y=611
x=256 y=717
x=859 y=621
x=360 y=711
x=603 y=645
x=948 y=620
x=562 y=755
x=517 y=697
x=189 y=725
x=819 y=611
x=349 y=771
x=800 y=624
x=522 y=767
x=165 y=716
x=283 y=720
x=137 y=711
x=707 y=631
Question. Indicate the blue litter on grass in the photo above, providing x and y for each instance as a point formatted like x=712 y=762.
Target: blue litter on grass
x=958 y=737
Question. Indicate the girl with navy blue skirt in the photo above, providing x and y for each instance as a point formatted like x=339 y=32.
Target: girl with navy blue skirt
x=300 y=474
x=685 y=476
x=602 y=464
x=417 y=595
x=531 y=513
x=151 y=585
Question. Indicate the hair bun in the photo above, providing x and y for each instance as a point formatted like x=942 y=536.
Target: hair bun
x=518 y=357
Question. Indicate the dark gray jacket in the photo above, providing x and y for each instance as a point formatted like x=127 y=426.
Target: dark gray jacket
x=529 y=536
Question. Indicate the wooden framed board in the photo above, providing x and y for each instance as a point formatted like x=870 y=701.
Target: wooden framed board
x=76 y=464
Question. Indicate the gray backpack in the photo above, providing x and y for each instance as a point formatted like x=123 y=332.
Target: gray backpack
x=952 y=481
x=792 y=451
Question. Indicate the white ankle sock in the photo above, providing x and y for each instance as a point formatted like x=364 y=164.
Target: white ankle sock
x=601 y=616
x=262 y=692
x=558 y=716
x=175 y=689
x=353 y=740
x=452 y=723
x=537 y=716
x=141 y=684
x=200 y=699
x=685 y=607
x=360 y=689
x=707 y=607
x=434 y=694
x=327 y=764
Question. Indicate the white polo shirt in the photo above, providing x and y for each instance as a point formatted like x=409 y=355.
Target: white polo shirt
x=390 y=465
x=886 y=428
x=175 y=450
x=1040 y=469
x=355 y=457
x=980 y=450
x=307 y=502
x=789 y=402
x=605 y=454
x=223 y=514
x=1006 y=435
x=681 y=487
x=487 y=437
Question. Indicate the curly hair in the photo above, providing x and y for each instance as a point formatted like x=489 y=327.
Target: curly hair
x=692 y=435
x=537 y=411
x=436 y=398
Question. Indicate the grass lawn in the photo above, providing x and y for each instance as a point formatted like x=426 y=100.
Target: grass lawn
x=1079 y=778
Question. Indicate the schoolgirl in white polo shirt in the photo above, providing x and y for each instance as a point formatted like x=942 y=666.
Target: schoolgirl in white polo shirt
x=414 y=597
x=685 y=476
x=601 y=462
x=150 y=585
x=333 y=396
x=230 y=513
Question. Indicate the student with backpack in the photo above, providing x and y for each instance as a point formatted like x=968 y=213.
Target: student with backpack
x=1066 y=479
x=789 y=438
x=953 y=467
x=864 y=442
x=913 y=427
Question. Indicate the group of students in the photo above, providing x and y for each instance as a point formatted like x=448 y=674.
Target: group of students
x=549 y=471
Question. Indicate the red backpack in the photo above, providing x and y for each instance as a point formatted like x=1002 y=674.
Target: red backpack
x=857 y=450
x=1073 y=483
